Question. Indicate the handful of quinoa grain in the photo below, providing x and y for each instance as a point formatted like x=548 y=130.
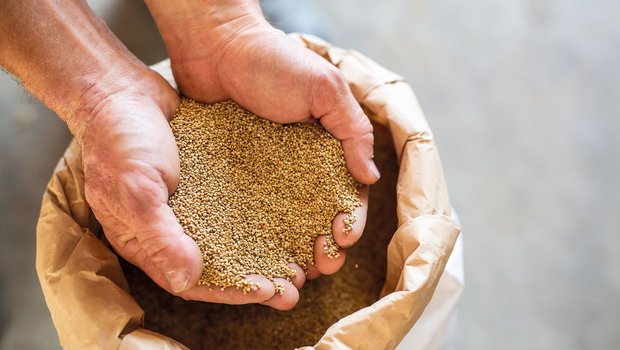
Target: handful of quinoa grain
x=254 y=194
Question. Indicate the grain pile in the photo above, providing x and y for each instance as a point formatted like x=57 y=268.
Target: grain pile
x=322 y=301
x=254 y=194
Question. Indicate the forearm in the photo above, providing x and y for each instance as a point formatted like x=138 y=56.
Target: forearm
x=64 y=55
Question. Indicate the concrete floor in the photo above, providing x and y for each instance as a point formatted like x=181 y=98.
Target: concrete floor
x=523 y=97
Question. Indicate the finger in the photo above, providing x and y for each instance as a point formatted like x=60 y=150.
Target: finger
x=264 y=291
x=347 y=239
x=324 y=263
x=312 y=272
x=286 y=300
x=300 y=277
x=169 y=251
x=358 y=155
x=172 y=251
x=208 y=293
x=334 y=105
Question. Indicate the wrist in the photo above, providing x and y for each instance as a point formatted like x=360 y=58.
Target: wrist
x=198 y=34
x=68 y=58
x=115 y=90
x=193 y=28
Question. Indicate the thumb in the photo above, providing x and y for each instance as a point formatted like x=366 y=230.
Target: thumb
x=334 y=105
x=158 y=247
x=169 y=256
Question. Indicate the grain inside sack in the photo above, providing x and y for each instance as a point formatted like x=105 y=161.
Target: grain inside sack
x=322 y=302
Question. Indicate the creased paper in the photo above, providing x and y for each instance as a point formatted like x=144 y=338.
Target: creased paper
x=87 y=293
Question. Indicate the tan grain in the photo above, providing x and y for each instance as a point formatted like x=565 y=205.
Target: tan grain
x=255 y=195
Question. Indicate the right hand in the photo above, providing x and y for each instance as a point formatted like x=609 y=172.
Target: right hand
x=227 y=50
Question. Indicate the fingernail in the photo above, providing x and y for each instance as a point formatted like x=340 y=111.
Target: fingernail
x=179 y=280
x=373 y=169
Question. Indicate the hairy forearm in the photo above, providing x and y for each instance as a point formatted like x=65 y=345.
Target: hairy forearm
x=64 y=55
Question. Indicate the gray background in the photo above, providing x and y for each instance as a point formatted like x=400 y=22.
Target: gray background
x=523 y=97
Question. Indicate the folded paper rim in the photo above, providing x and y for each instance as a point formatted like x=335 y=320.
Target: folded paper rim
x=88 y=295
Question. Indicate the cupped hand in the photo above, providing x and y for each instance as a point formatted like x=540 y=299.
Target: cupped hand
x=131 y=166
x=245 y=59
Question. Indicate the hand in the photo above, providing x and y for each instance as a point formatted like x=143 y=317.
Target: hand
x=117 y=110
x=226 y=50
x=131 y=166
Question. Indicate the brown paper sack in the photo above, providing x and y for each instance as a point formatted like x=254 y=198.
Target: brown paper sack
x=88 y=295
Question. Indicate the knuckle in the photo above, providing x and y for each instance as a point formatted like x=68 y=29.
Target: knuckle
x=153 y=243
x=118 y=234
x=142 y=192
x=368 y=137
x=328 y=87
x=364 y=125
x=331 y=78
x=360 y=129
x=159 y=248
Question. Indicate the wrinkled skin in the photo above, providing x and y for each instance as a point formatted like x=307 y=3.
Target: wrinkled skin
x=118 y=110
